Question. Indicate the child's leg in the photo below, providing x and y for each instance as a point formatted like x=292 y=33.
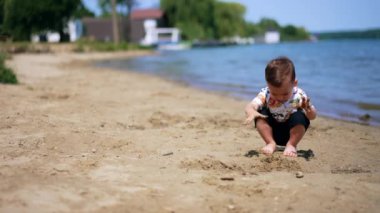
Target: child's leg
x=265 y=131
x=298 y=124
x=296 y=134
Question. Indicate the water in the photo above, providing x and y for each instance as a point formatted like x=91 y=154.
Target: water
x=341 y=77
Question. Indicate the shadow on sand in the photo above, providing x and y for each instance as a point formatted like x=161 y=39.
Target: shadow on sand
x=306 y=154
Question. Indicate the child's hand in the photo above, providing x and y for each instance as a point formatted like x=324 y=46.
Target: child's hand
x=309 y=109
x=305 y=104
x=252 y=116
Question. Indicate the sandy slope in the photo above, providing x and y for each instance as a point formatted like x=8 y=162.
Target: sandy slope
x=77 y=138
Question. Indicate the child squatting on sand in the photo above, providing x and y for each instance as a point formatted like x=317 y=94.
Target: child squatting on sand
x=281 y=111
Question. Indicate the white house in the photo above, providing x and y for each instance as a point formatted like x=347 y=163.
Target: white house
x=74 y=29
x=148 y=27
x=270 y=37
x=154 y=35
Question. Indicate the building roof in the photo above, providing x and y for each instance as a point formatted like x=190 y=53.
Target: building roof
x=146 y=14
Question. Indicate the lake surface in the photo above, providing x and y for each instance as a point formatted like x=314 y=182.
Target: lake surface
x=341 y=77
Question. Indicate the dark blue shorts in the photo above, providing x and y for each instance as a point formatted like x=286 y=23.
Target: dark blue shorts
x=281 y=130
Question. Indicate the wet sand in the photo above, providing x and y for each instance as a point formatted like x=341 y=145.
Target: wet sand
x=78 y=138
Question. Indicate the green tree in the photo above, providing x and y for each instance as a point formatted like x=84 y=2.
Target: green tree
x=198 y=14
x=126 y=5
x=115 y=23
x=268 y=24
x=252 y=29
x=1 y=15
x=189 y=16
x=22 y=18
x=82 y=11
x=293 y=33
x=229 y=19
x=366 y=34
x=213 y=19
x=206 y=19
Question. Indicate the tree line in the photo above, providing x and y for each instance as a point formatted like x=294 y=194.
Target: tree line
x=365 y=34
x=213 y=19
x=21 y=18
x=197 y=20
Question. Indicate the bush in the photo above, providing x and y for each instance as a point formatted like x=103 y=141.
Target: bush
x=3 y=57
x=7 y=75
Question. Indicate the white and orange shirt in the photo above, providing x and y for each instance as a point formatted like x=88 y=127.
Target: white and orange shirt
x=280 y=111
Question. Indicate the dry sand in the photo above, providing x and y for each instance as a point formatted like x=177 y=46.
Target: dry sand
x=75 y=138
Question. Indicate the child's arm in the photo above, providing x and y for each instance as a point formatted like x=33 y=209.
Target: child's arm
x=310 y=111
x=252 y=113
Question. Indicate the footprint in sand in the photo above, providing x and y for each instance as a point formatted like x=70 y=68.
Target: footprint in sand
x=53 y=96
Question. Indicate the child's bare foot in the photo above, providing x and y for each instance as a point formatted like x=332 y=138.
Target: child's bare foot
x=269 y=148
x=290 y=151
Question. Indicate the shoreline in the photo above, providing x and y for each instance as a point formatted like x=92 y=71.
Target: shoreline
x=78 y=138
x=366 y=118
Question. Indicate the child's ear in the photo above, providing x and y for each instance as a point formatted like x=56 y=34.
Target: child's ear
x=295 y=83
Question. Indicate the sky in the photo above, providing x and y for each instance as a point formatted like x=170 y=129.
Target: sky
x=314 y=15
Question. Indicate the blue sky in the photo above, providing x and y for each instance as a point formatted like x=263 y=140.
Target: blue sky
x=314 y=15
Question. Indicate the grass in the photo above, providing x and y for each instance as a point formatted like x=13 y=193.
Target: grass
x=97 y=46
x=83 y=45
x=7 y=76
x=24 y=47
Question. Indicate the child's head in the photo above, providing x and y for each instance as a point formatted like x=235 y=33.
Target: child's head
x=281 y=78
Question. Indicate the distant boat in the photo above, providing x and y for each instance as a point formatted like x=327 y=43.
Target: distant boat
x=174 y=46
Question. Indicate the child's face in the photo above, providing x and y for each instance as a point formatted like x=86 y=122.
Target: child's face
x=284 y=92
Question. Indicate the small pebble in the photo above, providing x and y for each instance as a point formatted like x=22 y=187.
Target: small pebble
x=167 y=154
x=231 y=206
x=227 y=178
x=93 y=150
x=299 y=174
x=61 y=168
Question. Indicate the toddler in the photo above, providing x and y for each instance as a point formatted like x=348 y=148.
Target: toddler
x=281 y=111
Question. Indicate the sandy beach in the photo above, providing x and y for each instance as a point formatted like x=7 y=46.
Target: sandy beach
x=75 y=138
